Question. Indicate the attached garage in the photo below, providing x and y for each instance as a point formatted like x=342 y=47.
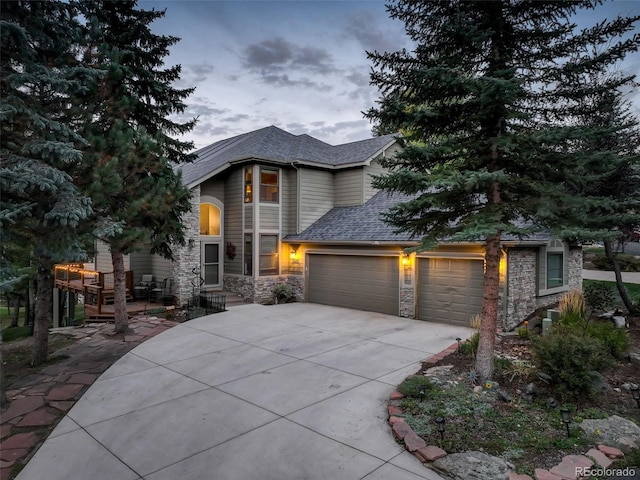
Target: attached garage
x=449 y=290
x=361 y=282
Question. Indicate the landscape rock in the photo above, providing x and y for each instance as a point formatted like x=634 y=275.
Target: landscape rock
x=475 y=465
x=552 y=403
x=615 y=431
x=599 y=383
x=440 y=374
x=504 y=396
x=634 y=357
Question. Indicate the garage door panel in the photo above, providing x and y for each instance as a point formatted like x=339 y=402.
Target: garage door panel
x=361 y=282
x=449 y=290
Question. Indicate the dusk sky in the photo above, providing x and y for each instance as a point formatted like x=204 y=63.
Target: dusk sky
x=298 y=65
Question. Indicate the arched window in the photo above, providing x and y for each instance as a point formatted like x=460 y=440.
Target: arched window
x=209 y=219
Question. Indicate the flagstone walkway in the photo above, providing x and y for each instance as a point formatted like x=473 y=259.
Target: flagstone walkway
x=39 y=401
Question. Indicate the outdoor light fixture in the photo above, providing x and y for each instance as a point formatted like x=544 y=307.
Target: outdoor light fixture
x=566 y=418
x=458 y=339
x=405 y=260
x=440 y=424
x=191 y=243
x=422 y=394
x=293 y=254
x=635 y=393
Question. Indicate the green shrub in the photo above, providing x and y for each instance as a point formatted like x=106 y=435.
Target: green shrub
x=599 y=296
x=9 y=334
x=470 y=346
x=615 y=340
x=283 y=293
x=569 y=359
x=413 y=385
x=627 y=263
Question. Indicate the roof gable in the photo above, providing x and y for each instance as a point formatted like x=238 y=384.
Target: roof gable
x=278 y=146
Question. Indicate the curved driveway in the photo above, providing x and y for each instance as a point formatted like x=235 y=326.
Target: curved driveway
x=285 y=392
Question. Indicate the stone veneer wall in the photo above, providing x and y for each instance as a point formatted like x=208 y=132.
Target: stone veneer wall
x=522 y=285
x=187 y=258
x=259 y=290
x=407 y=302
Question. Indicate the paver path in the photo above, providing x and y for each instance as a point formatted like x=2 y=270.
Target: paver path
x=258 y=392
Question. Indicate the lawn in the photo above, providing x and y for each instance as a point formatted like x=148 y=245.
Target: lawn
x=633 y=289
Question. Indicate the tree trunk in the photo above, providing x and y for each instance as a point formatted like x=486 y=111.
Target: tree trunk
x=3 y=396
x=488 y=325
x=609 y=252
x=44 y=295
x=15 y=314
x=119 y=293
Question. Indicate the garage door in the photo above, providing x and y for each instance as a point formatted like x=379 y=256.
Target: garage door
x=449 y=290
x=360 y=282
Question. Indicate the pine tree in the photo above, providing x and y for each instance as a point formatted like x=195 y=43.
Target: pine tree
x=608 y=190
x=38 y=147
x=129 y=173
x=484 y=105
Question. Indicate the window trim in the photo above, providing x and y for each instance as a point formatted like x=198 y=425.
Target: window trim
x=275 y=171
x=275 y=255
x=554 y=247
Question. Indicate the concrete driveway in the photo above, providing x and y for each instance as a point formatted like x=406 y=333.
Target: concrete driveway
x=284 y=392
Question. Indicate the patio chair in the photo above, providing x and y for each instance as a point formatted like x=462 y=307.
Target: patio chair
x=163 y=292
x=143 y=288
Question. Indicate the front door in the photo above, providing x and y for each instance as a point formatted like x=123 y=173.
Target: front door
x=211 y=264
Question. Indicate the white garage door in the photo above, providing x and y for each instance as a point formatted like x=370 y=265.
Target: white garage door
x=354 y=281
x=449 y=290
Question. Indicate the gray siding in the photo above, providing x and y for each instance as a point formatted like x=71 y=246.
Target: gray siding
x=316 y=195
x=233 y=195
x=214 y=188
x=269 y=217
x=289 y=202
x=373 y=169
x=141 y=264
x=248 y=217
x=103 y=261
x=348 y=187
x=161 y=267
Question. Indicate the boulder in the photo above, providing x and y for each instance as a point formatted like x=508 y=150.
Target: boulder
x=615 y=431
x=476 y=465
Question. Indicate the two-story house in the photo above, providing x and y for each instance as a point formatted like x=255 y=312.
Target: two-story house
x=271 y=207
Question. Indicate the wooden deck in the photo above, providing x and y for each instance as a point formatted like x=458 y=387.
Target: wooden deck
x=135 y=307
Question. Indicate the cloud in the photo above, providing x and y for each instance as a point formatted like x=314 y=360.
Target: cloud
x=285 y=81
x=374 y=35
x=275 y=55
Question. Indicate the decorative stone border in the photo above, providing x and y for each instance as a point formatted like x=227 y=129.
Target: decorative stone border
x=603 y=456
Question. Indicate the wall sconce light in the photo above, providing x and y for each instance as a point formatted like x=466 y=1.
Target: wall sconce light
x=293 y=254
x=566 y=418
x=192 y=242
x=405 y=260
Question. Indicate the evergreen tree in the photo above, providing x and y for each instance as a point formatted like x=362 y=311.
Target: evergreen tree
x=129 y=173
x=38 y=149
x=484 y=105
x=608 y=192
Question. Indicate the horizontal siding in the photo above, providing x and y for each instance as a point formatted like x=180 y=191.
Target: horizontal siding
x=103 y=262
x=316 y=195
x=373 y=169
x=233 y=195
x=289 y=202
x=161 y=268
x=269 y=217
x=141 y=264
x=248 y=217
x=348 y=187
x=213 y=188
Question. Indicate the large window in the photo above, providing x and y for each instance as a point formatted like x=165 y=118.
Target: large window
x=248 y=254
x=269 y=255
x=209 y=219
x=555 y=269
x=268 y=185
x=248 y=185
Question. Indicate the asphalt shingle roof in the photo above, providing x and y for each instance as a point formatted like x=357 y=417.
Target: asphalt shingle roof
x=275 y=145
x=363 y=223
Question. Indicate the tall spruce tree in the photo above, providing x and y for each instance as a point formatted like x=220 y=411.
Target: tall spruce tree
x=40 y=79
x=129 y=173
x=607 y=191
x=484 y=107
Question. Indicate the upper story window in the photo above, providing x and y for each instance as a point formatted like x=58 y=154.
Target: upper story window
x=268 y=185
x=209 y=219
x=248 y=185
